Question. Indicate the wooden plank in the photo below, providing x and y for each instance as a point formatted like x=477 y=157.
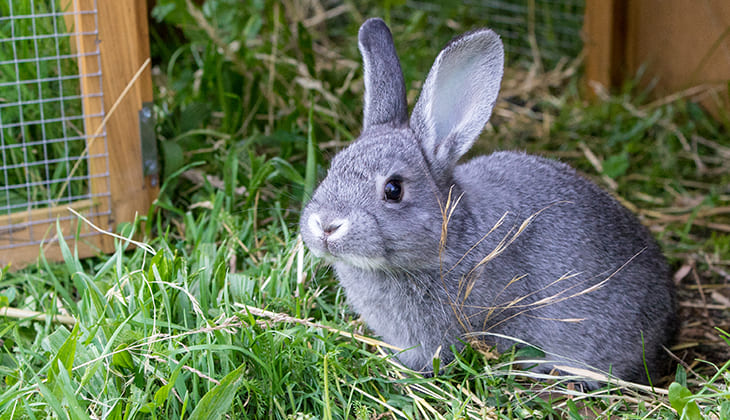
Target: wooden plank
x=124 y=43
x=19 y=218
x=24 y=255
x=681 y=43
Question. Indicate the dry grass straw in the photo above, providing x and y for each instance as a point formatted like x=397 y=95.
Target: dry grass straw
x=276 y=318
x=17 y=313
x=139 y=244
x=520 y=304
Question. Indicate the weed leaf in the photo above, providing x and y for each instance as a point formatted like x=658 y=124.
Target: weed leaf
x=679 y=398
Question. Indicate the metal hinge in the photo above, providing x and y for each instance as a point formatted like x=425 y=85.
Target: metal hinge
x=150 y=163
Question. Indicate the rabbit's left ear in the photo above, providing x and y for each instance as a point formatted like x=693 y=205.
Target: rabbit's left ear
x=385 y=90
x=458 y=96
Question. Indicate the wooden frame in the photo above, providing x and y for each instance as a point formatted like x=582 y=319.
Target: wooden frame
x=119 y=190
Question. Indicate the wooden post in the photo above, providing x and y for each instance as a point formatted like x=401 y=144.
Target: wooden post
x=93 y=92
x=124 y=43
x=604 y=35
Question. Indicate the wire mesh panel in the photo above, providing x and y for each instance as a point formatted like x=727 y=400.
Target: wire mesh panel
x=52 y=144
x=532 y=30
x=544 y=29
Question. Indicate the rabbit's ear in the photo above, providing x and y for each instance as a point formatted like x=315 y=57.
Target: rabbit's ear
x=385 y=91
x=458 y=96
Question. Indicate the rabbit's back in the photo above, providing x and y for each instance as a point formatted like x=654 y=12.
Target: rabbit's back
x=594 y=280
x=573 y=216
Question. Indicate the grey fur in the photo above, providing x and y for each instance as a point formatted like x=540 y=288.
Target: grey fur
x=583 y=280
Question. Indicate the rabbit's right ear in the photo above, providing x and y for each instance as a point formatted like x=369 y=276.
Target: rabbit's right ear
x=458 y=96
x=385 y=90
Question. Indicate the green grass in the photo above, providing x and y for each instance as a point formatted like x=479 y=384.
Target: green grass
x=223 y=313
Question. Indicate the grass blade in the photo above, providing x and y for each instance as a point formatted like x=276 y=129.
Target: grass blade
x=216 y=402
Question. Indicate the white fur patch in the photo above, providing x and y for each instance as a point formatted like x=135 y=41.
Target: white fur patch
x=371 y=264
x=315 y=225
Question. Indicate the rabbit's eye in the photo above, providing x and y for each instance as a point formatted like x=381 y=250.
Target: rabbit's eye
x=393 y=190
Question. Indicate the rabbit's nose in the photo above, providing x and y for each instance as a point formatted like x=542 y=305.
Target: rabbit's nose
x=332 y=227
x=335 y=229
x=328 y=230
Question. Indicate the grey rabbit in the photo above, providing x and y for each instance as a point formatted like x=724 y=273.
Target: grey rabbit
x=432 y=252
